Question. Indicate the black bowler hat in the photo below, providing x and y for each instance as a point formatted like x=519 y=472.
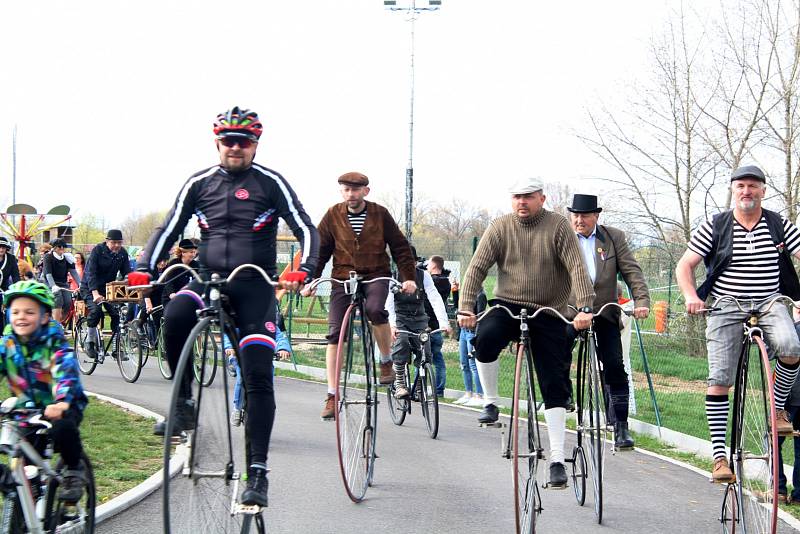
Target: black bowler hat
x=114 y=235
x=749 y=171
x=187 y=244
x=584 y=204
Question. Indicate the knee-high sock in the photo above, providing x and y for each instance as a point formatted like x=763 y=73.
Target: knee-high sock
x=785 y=375
x=556 y=419
x=717 y=414
x=488 y=374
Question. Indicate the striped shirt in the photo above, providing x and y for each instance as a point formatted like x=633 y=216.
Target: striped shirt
x=357 y=220
x=753 y=272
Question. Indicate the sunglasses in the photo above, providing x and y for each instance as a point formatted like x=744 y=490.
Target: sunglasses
x=231 y=142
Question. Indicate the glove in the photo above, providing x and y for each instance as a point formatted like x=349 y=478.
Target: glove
x=139 y=279
x=296 y=276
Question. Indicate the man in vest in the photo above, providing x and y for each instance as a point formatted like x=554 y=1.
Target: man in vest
x=747 y=253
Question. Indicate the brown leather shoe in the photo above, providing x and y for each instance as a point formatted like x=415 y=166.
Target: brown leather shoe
x=722 y=474
x=783 y=426
x=330 y=407
x=387 y=373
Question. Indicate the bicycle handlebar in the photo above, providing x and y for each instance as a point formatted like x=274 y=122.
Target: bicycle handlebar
x=196 y=276
x=606 y=305
x=729 y=298
x=393 y=283
x=419 y=334
x=519 y=317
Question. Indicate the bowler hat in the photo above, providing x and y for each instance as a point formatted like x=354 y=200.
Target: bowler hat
x=4 y=242
x=114 y=235
x=749 y=171
x=186 y=244
x=584 y=204
x=354 y=178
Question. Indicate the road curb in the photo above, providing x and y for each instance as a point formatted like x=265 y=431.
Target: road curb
x=124 y=501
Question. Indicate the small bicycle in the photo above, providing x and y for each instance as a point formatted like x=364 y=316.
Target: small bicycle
x=356 y=395
x=423 y=390
x=30 y=486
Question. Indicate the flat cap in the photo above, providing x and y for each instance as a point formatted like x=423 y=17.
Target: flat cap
x=353 y=178
x=526 y=185
x=749 y=171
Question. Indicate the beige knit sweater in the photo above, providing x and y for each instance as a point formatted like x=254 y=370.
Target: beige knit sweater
x=538 y=262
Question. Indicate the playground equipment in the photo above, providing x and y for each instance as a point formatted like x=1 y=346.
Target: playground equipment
x=29 y=224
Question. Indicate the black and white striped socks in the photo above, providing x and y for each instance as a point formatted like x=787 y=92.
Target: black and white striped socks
x=785 y=375
x=717 y=414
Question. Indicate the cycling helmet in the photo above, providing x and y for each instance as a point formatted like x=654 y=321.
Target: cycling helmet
x=238 y=122
x=58 y=242
x=31 y=289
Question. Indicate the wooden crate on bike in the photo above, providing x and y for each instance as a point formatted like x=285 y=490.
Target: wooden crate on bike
x=120 y=292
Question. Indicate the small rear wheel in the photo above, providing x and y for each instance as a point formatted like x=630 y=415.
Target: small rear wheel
x=579 y=474
x=730 y=509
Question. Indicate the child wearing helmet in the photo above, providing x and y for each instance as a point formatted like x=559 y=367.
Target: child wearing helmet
x=42 y=372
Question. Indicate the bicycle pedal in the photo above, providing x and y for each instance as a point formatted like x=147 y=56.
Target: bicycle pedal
x=496 y=424
x=549 y=486
x=247 y=509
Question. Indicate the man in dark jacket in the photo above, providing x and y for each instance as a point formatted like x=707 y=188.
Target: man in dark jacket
x=356 y=232
x=106 y=261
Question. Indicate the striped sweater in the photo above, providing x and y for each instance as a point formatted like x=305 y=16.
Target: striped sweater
x=538 y=263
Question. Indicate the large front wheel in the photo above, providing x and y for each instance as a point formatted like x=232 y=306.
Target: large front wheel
x=524 y=451
x=594 y=424
x=356 y=410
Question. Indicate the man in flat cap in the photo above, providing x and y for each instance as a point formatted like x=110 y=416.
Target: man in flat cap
x=356 y=232
x=747 y=254
x=605 y=253
x=538 y=264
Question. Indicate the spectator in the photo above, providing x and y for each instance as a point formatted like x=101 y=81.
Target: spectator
x=441 y=279
x=80 y=261
x=473 y=392
x=185 y=254
x=44 y=250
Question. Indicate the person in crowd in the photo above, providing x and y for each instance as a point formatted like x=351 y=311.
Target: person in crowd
x=186 y=254
x=58 y=266
x=364 y=252
x=473 y=392
x=538 y=264
x=80 y=262
x=748 y=253
x=441 y=279
x=9 y=269
x=605 y=254
x=44 y=249
x=42 y=372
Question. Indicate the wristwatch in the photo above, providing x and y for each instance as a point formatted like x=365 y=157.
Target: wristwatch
x=585 y=309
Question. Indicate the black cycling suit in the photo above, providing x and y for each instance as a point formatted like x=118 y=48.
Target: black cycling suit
x=238 y=218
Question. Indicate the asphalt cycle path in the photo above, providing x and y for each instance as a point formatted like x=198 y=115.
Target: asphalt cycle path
x=457 y=483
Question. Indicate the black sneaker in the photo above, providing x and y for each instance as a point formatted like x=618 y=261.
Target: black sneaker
x=490 y=414
x=623 y=441
x=161 y=427
x=91 y=349
x=257 y=485
x=558 y=475
x=71 y=489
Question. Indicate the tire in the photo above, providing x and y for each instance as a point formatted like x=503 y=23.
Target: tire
x=729 y=516
x=129 y=353
x=579 y=474
x=356 y=410
x=86 y=364
x=524 y=447
x=398 y=408
x=191 y=502
x=756 y=443
x=161 y=354
x=429 y=401
x=11 y=511
x=206 y=357
x=59 y=515
x=594 y=426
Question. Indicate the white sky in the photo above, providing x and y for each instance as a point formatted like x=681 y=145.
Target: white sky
x=114 y=100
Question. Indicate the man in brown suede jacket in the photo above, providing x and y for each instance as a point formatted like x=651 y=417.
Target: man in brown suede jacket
x=356 y=232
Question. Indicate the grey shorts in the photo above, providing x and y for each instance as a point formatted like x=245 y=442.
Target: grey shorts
x=724 y=340
x=63 y=300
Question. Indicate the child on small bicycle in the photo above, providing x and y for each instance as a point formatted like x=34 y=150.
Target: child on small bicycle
x=283 y=351
x=42 y=373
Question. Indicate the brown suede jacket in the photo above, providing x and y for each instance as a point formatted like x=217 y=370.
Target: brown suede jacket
x=366 y=253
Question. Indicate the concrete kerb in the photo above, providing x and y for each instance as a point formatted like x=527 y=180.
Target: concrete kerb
x=682 y=442
x=122 y=502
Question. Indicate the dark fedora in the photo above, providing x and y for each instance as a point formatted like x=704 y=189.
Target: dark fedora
x=584 y=204
x=114 y=235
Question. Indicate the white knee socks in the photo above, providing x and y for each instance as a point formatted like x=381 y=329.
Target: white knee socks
x=488 y=375
x=556 y=419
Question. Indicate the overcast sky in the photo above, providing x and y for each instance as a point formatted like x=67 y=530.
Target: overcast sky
x=114 y=101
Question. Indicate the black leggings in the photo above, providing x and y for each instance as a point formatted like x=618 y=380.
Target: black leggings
x=253 y=303
x=96 y=311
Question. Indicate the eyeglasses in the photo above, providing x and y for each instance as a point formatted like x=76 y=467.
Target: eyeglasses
x=231 y=142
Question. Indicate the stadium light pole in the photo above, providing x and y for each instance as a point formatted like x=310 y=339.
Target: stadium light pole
x=413 y=11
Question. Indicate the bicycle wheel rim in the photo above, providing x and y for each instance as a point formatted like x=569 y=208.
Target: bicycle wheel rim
x=397 y=407
x=193 y=502
x=205 y=358
x=729 y=516
x=579 y=475
x=430 y=402
x=129 y=354
x=523 y=447
x=79 y=515
x=161 y=354
x=756 y=451
x=86 y=364
x=596 y=427
x=354 y=435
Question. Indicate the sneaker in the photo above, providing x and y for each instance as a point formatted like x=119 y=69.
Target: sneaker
x=236 y=417
x=91 y=349
x=475 y=402
x=490 y=414
x=329 y=409
x=257 y=485
x=71 y=489
x=558 y=476
x=401 y=392
x=387 y=373
x=623 y=441
x=463 y=399
x=783 y=426
x=722 y=473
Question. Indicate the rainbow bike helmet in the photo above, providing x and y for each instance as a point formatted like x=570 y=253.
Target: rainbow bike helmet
x=31 y=289
x=238 y=122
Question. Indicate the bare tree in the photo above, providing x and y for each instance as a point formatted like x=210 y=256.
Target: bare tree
x=559 y=196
